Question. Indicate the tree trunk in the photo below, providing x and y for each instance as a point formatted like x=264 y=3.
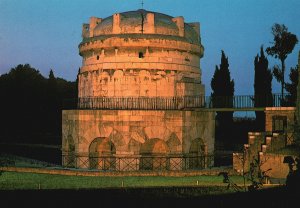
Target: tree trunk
x=282 y=81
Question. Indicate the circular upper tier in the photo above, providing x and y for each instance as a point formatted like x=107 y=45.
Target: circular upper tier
x=137 y=29
x=131 y=22
x=140 y=54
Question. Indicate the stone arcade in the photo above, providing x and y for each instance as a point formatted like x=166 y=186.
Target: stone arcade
x=139 y=96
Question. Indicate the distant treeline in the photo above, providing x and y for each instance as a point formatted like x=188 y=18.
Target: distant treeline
x=31 y=105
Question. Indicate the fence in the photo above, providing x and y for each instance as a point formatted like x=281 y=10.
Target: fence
x=138 y=163
x=139 y=103
x=174 y=103
x=244 y=101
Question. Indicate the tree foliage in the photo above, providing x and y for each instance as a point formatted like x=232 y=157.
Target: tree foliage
x=221 y=83
x=291 y=87
x=31 y=105
x=283 y=45
x=262 y=86
x=222 y=96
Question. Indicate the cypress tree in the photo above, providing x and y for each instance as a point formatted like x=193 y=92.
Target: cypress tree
x=262 y=87
x=221 y=83
x=222 y=96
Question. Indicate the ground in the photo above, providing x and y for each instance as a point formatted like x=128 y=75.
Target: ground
x=14 y=181
x=147 y=197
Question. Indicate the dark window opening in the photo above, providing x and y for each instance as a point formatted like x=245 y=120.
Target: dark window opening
x=279 y=123
x=141 y=55
x=97 y=57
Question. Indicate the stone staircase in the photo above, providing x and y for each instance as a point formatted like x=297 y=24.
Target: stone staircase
x=259 y=144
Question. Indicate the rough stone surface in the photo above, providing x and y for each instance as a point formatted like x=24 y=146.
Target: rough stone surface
x=138 y=54
x=288 y=112
x=137 y=132
x=122 y=59
x=275 y=163
x=262 y=145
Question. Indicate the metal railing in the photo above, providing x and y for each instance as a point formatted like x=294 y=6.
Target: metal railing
x=244 y=101
x=138 y=103
x=138 y=163
x=175 y=103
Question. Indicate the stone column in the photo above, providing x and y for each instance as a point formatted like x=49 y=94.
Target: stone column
x=116 y=23
x=85 y=31
x=94 y=21
x=149 y=24
x=180 y=24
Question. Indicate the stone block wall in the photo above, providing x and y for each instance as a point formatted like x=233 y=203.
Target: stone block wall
x=124 y=133
x=275 y=163
x=289 y=112
x=260 y=147
x=139 y=83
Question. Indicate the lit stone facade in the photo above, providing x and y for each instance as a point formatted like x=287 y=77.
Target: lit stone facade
x=138 y=54
x=119 y=60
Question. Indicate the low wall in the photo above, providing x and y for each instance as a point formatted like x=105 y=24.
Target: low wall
x=275 y=162
x=268 y=161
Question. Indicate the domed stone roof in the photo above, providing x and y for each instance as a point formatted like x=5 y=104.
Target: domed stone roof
x=131 y=23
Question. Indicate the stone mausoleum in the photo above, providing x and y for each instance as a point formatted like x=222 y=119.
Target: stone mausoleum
x=139 y=96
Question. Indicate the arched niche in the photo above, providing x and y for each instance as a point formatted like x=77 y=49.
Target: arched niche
x=197 y=147
x=104 y=77
x=101 y=154
x=134 y=146
x=174 y=143
x=197 y=154
x=154 y=155
x=118 y=75
x=154 y=146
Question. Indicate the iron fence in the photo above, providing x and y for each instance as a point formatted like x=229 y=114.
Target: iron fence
x=175 y=103
x=138 y=163
x=245 y=101
x=143 y=103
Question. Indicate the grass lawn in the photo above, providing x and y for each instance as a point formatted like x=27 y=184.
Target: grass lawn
x=144 y=191
x=16 y=180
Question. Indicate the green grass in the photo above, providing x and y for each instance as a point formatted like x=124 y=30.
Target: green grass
x=15 y=180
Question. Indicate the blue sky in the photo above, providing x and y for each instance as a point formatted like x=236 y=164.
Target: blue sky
x=46 y=34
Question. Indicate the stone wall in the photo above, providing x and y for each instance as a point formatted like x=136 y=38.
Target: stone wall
x=138 y=54
x=275 y=163
x=289 y=112
x=128 y=58
x=139 y=83
x=121 y=72
x=122 y=59
x=137 y=132
x=262 y=145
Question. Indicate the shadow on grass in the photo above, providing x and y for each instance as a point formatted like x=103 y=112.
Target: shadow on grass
x=150 y=197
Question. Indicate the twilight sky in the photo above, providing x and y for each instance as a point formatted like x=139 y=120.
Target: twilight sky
x=46 y=34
